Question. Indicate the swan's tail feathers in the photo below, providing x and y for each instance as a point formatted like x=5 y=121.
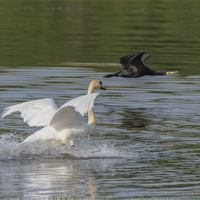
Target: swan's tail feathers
x=111 y=75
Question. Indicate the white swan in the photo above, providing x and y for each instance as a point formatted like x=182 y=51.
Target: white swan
x=64 y=124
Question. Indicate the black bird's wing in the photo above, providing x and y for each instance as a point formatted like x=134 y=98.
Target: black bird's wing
x=126 y=60
x=134 y=62
x=134 y=66
x=144 y=57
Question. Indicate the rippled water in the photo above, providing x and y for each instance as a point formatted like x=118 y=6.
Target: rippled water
x=147 y=131
x=147 y=128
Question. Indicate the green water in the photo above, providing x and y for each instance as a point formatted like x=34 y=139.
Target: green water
x=43 y=33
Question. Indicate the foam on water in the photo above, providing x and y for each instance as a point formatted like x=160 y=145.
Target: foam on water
x=12 y=148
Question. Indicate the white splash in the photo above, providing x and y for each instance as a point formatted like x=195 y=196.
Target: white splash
x=12 y=148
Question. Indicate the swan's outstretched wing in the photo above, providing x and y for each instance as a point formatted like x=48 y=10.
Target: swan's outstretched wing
x=67 y=117
x=70 y=114
x=82 y=103
x=35 y=113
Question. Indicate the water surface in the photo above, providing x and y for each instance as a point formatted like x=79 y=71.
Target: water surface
x=147 y=131
x=50 y=32
x=147 y=128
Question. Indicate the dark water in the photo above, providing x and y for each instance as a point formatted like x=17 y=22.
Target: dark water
x=49 y=32
x=147 y=128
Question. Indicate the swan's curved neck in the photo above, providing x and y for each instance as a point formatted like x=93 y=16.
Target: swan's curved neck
x=91 y=120
x=91 y=117
x=90 y=89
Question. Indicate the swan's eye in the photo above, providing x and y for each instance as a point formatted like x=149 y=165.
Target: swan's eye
x=100 y=83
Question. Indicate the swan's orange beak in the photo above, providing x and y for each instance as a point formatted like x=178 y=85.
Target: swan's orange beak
x=102 y=87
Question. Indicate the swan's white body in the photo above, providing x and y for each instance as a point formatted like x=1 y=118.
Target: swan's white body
x=64 y=124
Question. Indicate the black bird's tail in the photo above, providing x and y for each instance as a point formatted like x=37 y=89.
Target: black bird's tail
x=111 y=75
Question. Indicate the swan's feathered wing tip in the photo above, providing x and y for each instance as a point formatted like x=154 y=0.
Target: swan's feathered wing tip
x=5 y=112
x=82 y=103
x=35 y=113
x=9 y=110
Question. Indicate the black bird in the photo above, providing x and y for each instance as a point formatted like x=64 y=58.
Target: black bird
x=134 y=67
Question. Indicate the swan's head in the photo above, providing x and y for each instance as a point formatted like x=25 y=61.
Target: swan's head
x=95 y=84
x=101 y=86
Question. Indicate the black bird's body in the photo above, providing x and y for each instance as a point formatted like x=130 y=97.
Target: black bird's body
x=134 y=67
